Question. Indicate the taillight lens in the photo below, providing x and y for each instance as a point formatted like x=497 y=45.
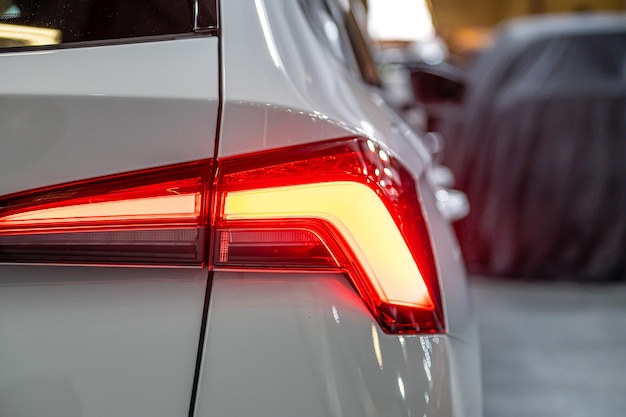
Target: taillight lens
x=343 y=205
x=152 y=217
x=346 y=206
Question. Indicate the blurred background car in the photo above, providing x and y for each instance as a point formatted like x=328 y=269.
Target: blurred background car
x=535 y=134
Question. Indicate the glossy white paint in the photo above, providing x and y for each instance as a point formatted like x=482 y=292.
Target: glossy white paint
x=465 y=378
x=96 y=341
x=80 y=113
x=309 y=96
x=304 y=344
x=92 y=342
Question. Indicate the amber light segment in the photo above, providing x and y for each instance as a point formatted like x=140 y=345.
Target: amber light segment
x=170 y=207
x=362 y=218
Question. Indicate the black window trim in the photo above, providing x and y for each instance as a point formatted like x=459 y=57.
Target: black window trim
x=359 y=38
x=204 y=26
x=109 y=42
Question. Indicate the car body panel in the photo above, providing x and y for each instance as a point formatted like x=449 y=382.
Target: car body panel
x=270 y=125
x=95 y=341
x=72 y=114
x=318 y=97
x=306 y=345
x=280 y=344
x=462 y=328
x=104 y=341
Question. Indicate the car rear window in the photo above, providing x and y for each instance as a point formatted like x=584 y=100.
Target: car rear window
x=28 y=23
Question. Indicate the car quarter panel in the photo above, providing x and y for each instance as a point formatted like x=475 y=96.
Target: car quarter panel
x=79 y=113
x=281 y=344
x=96 y=341
x=305 y=345
x=289 y=88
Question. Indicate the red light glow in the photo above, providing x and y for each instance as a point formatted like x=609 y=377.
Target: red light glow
x=344 y=206
x=360 y=203
x=146 y=217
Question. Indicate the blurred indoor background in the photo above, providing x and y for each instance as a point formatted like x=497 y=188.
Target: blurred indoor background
x=533 y=126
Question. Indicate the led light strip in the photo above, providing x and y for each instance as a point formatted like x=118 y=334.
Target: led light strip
x=350 y=207
x=171 y=207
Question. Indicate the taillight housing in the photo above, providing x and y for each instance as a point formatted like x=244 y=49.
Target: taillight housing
x=344 y=206
x=150 y=217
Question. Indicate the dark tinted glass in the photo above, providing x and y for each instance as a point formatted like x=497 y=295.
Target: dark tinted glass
x=49 y=22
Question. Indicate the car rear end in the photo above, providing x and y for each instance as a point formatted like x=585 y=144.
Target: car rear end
x=225 y=221
x=373 y=321
x=101 y=289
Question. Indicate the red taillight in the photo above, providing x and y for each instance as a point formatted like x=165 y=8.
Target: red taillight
x=343 y=205
x=152 y=217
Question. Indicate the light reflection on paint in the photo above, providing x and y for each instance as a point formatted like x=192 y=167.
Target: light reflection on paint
x=426 y=362
x=367 y=128
x=336 y=314
x=331 y=31
x=267 y=33
x=402 y=341
x=401 y=387
x=427 y=370
x=376 y=344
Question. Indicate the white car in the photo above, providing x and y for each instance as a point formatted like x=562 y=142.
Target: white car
x=208 y=210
